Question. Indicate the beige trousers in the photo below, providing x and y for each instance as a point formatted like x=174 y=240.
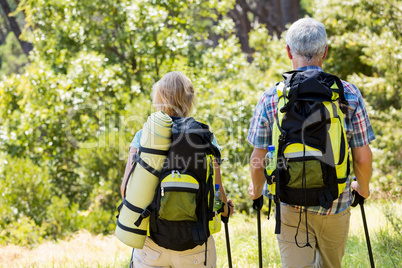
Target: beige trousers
x=152 y=255
x=327 y=235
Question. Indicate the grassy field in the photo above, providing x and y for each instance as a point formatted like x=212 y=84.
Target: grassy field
x=86 y=250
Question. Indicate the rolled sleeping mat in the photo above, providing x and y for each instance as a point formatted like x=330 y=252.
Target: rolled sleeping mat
x=140 y=190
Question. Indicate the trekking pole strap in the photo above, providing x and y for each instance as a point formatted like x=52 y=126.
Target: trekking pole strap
x=226 y=219
x=258 y=203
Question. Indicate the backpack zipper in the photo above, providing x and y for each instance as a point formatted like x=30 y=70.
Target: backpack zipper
x=174 y=172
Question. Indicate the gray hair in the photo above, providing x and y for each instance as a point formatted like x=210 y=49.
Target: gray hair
x=307 y=38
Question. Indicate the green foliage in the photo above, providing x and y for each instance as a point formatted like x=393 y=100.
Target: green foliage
x=365 y=48
x=12 y=58
x=23 y=232
x=67 y=120
x=25 y=190
x=62 y=217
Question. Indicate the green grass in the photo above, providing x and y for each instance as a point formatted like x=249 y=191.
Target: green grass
x=86 y=250
x=385 y=235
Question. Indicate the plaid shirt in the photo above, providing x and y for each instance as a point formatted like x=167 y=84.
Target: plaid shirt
x=357 y=126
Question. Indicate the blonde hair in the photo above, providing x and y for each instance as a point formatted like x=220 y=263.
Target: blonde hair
x=174 y=94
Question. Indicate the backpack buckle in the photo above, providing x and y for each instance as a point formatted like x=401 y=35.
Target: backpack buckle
x=282 y=138
x=145 y=213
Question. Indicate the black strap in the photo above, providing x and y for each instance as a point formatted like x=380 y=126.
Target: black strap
x=118 y=210
x=277 y=216
x=147 y=167
x=269 y=207
x=291 y=101
x=276 y=197
x=131 y=206
x=131 y=230
x=341 y=93
x=292 y=81
x=206 y=253
x=325 y=199
x=343 y=144
x=145 y=214
x=152 y=151
x=226 y=219
x=133 y=165
x=199 y=236
x=222 y=209
x=258 y=203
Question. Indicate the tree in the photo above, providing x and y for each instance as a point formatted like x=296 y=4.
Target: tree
x=365 y=47
x=275 y=16
x=85 y=93
x=26 y=46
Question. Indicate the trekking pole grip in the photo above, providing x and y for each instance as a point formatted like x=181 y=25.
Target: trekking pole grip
x=226 y=219
x=358 y=199
x=258 y=203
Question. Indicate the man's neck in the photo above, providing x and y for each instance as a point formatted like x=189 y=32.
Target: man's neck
x=303 y=62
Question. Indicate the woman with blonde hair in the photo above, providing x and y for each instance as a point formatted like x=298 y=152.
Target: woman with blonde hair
x=174 y=94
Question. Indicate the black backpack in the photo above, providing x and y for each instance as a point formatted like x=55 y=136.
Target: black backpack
x=311 y=148
x=181 y=213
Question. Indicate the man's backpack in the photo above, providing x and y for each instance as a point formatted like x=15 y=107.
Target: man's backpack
x=182 y=215
x=311 y=148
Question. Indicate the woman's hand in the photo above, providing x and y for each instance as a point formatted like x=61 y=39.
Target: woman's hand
x=230 y=206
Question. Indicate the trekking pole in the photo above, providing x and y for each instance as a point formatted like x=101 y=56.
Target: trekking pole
x=225 y=220
x=257 y=205
x=360 y=200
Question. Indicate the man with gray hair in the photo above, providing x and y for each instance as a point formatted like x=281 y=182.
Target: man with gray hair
x=327 y=228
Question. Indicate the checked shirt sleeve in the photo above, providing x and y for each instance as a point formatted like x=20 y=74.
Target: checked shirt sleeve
x=358 y=126
x=260 y=131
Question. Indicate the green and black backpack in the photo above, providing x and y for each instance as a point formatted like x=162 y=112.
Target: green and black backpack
x=181 y=213
x=311 y=149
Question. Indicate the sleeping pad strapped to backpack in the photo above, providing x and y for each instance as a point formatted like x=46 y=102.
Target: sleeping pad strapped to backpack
x=182 y=215
x=311 y=147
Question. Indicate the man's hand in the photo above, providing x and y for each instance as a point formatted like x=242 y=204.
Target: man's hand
x=253 y=192
x=228 y=209
x=365 y=193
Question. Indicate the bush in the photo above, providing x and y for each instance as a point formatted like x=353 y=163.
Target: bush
x=25 y=190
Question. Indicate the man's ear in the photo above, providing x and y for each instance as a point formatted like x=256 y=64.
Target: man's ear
x=325 y=52
x=289 y=52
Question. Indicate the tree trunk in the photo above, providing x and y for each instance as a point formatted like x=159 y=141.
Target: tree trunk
x=3 y=37
x=275 y=14
x=26 y=47
x=290 y=11
x=243 y=27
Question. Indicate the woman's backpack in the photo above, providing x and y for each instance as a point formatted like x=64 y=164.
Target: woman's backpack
x=182 y=215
